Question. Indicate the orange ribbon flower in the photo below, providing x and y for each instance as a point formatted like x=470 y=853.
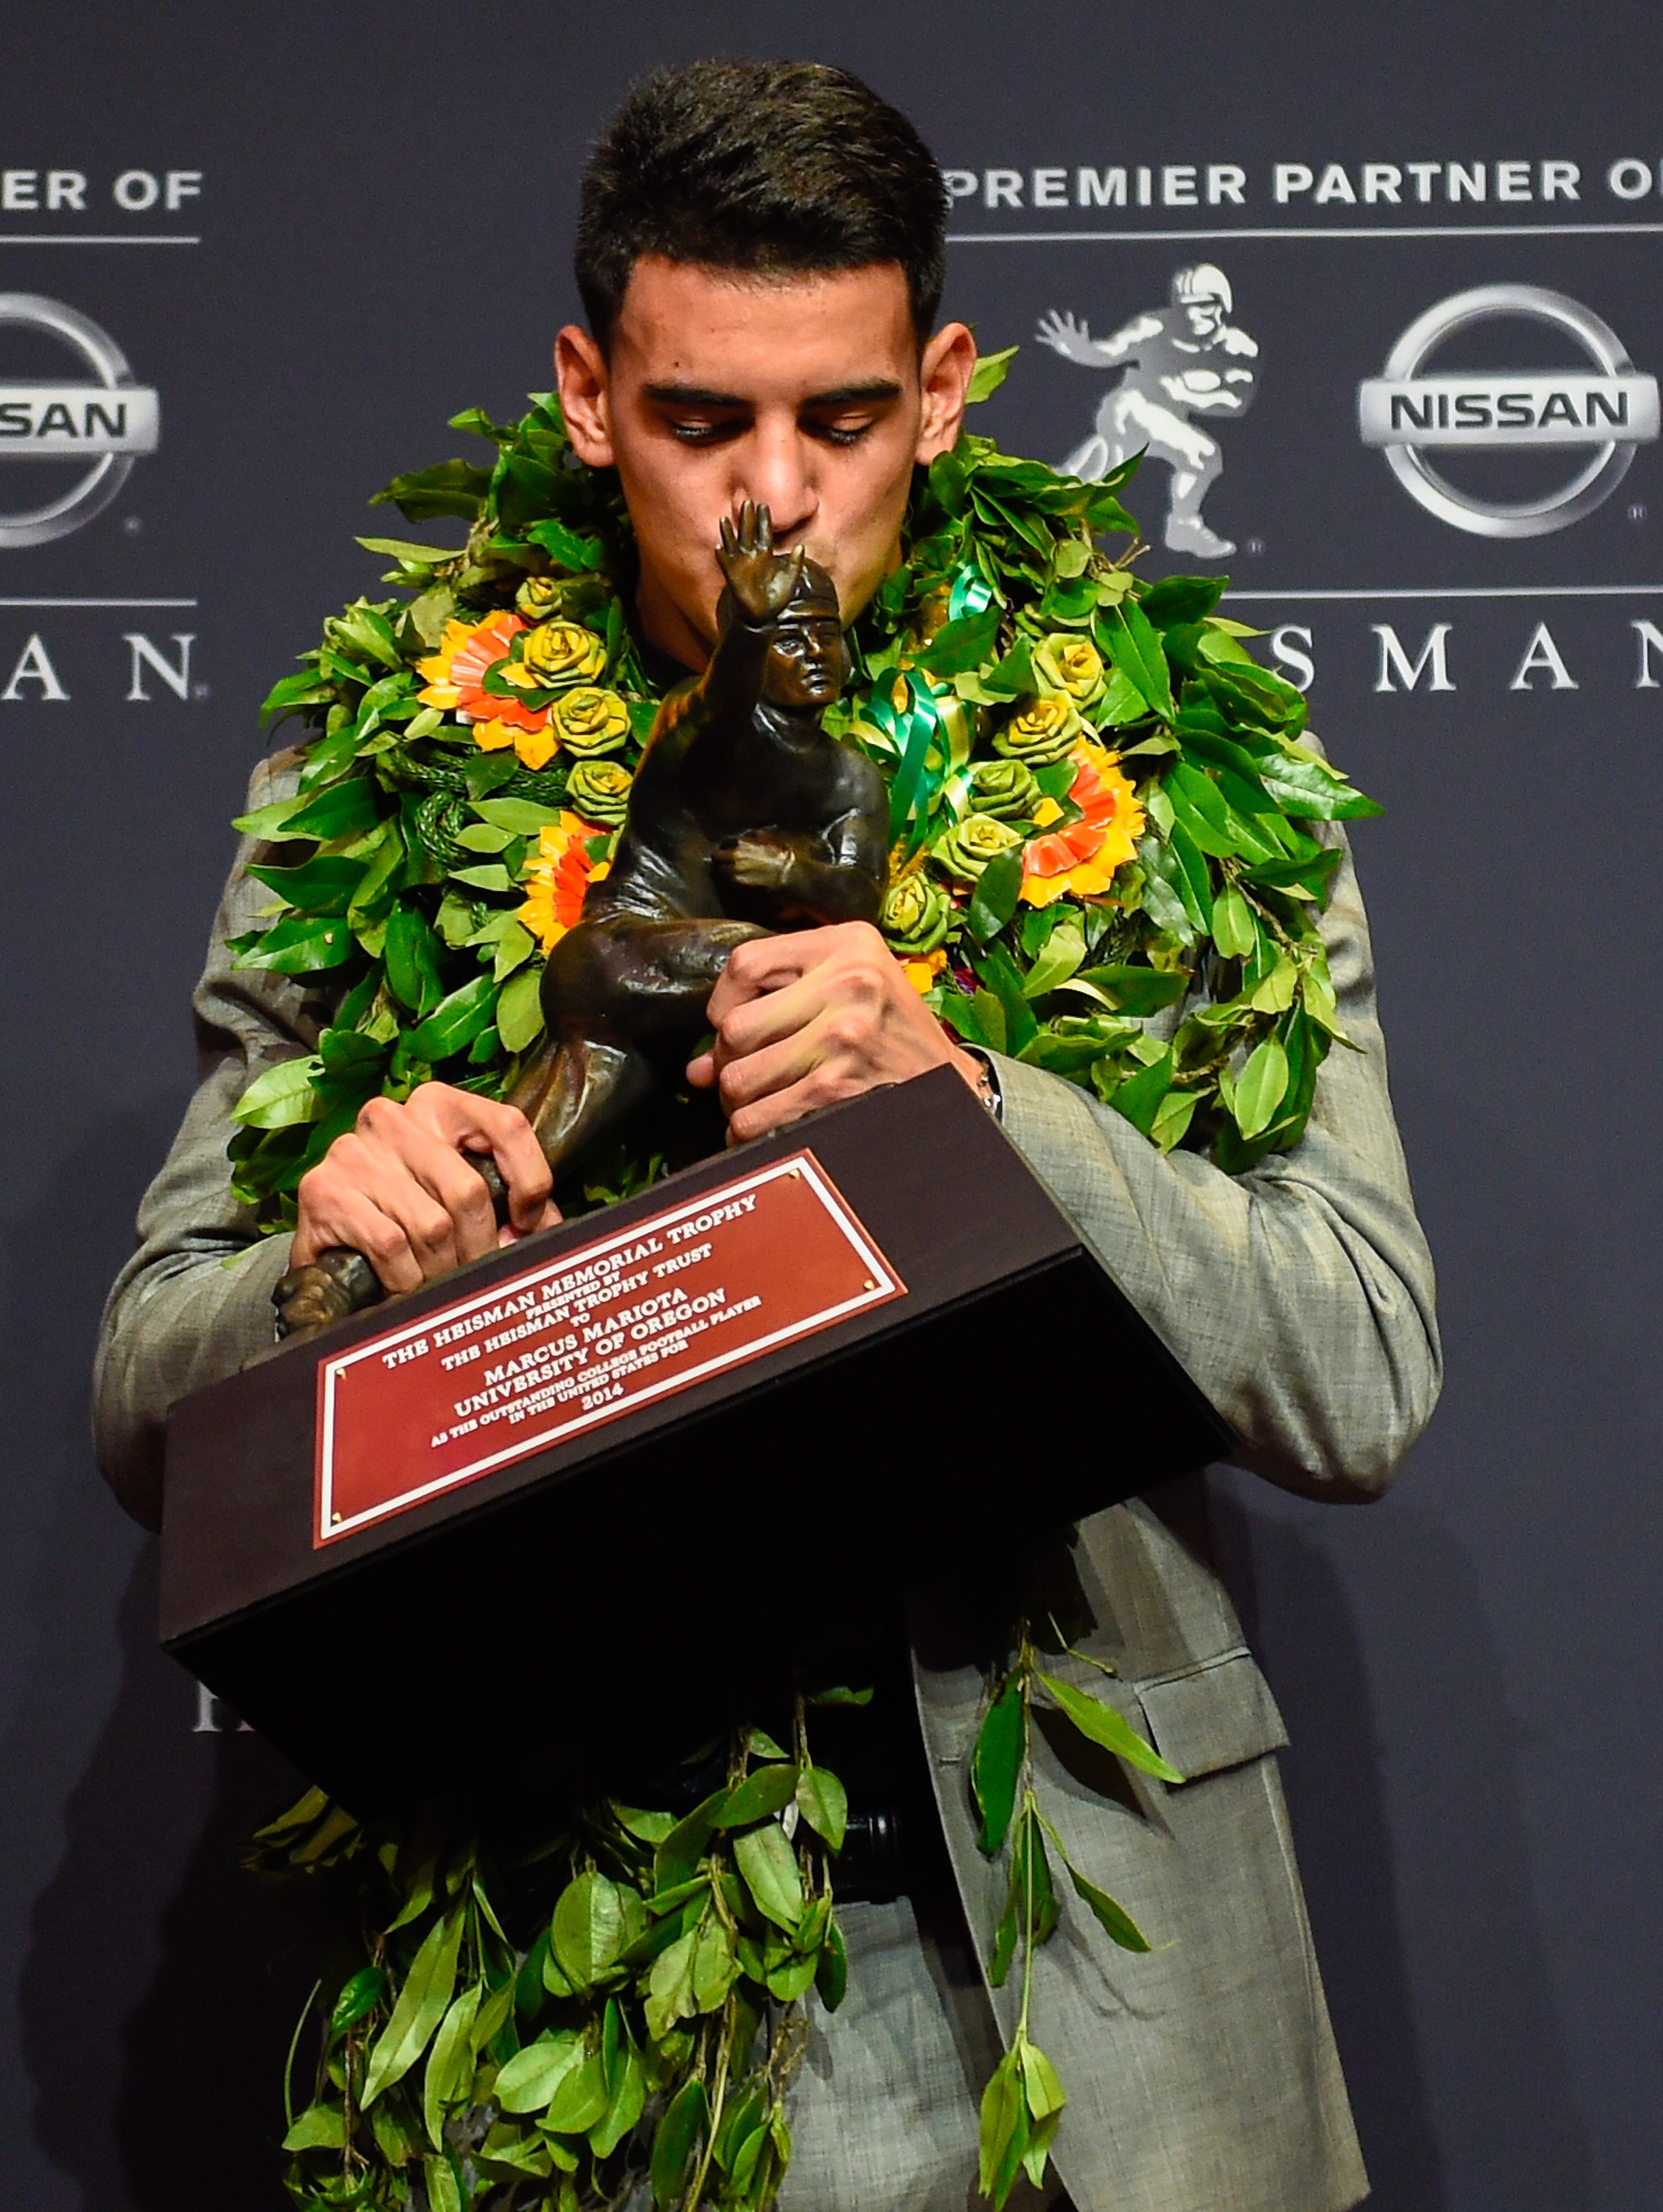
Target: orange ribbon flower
x=1083 y=857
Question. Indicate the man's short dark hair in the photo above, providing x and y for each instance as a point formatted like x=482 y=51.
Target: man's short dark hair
x=777 y=168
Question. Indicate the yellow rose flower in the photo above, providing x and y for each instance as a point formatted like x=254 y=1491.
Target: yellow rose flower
x=965 y=849
x=588 y=721
x=1072 y=665
x=537 y=598
x=1042 y=731
x=599 y=790
x=562 y=653
x=915 y=915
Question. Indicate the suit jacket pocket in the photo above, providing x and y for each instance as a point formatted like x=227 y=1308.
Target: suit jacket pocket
x=1218 y=1713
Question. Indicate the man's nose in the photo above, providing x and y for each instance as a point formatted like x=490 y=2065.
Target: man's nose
x=775 y=471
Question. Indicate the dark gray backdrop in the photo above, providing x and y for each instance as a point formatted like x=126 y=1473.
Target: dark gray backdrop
x=380 y=237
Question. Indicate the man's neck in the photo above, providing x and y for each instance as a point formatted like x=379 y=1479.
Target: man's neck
x=665 y=627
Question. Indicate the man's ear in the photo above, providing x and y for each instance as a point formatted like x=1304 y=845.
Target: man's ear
x=585 y=396
x=944 y=374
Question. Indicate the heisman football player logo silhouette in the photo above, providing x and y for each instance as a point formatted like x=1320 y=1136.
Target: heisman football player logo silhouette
x=1179 y=362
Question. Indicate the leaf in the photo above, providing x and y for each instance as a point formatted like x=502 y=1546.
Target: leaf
x=519 y=1010
x=745 y=2158
x=451 y=487
x=677 y=1858
x=1139 y=992
x=531 y=2077
x=677 y=2140
x=1306 y=787
x=825 y=1804
x=989 y=373
x=987 y=1015
x=1005 y=2128
x=996 y=1762
x=1046 y=2098
x=1140 y=1097
x=580 y=2101
x=1260 y=1087
x=513 y=945
x=1009 y=1927
x=320 y=2127
x=647 y=1828
x=1060 y=955
x=281 y=1096
x=1275 y=994
x=302 y=945
x=1116 y=1922
x=962 y=644
x=521 y=818
x=400 y=548
x=1014 y=676
x=571 y=550
x=769 y=1790
x=421 y=2005
x=768 y=1864
x=306 y=688
x=831 y=1967
x=1102 y=1725
x=454 y=1022
x=588 y=1929
x=412 y=955
x=1234 y=930
x=444 y=2192
x=627 y=2102
x=344 y=809
x=483 y=837
x=359 y=1997
x=787 y=1983
x=715 y=1968
x=1134 y=644
x=449 y=2072
x=1182 y=600
x=999 y=972
x=325 y=884
x=670 y=1986
x=1173 y=1117
x=624 y=2109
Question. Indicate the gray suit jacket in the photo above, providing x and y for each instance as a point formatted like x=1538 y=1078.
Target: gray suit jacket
x=1202 y=2075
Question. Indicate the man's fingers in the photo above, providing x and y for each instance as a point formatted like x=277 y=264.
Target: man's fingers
x=525 y=1171
x=765 y=963
x=403 y=1189
x=462 y=1121
x=360 y=1197
x=765 y=1021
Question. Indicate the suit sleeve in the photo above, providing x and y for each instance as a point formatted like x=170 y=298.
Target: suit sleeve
x=195 y=1300
x=1298 y=1296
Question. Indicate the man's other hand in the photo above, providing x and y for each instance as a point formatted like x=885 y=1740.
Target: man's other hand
x=399 y=1187
x=806 y=1019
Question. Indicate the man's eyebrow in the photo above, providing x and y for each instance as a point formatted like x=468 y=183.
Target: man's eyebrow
x=692 y=395
x=849 y=395
x=845 y=395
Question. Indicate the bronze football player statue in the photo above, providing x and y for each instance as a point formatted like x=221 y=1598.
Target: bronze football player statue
x=744 y=818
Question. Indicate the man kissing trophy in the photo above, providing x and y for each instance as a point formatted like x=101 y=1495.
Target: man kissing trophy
x=760 y=259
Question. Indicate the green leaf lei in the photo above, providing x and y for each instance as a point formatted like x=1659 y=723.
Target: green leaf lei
x=1101 y=866
x=1102 y=863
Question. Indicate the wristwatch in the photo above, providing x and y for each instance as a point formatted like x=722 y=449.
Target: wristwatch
x=988 y=1089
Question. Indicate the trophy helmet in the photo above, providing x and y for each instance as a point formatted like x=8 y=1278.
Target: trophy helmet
x=814 y=598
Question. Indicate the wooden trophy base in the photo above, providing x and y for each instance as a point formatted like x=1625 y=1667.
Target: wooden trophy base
x=548 y=1516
